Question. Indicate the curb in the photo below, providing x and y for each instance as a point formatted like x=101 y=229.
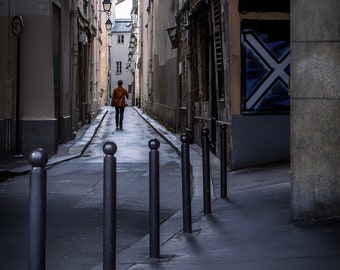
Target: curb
x=76 y=150
x=175 y=142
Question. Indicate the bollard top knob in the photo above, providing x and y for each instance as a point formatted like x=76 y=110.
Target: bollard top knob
x=38 y=158
x=109 y=148
x=154 y=144
x=205 y=132
x=185 y=138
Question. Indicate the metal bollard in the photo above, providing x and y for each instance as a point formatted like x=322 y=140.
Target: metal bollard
x=110 y=186
x=206 y=170
x=186 y=197
x=154 y=199
x=37 y=218
x=223 y=161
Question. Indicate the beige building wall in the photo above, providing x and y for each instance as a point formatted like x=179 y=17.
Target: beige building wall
x=33 y=90
x=162 y=98
x=37 y=92
x=60 y=71
x=104 y=58
x=36 y=65
x=101 y=69
x=145 y=52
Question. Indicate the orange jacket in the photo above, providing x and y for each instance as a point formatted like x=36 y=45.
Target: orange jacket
x=118 y=97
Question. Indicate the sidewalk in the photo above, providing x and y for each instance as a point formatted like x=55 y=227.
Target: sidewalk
x=249 y=230
x=67 y=151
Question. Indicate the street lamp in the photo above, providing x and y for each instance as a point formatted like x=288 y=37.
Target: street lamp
x=131 y=48
x=107 y=9
x=132 y=45
x=173 y=36
x=107 y=5
x=108 y=24
x=132 y=38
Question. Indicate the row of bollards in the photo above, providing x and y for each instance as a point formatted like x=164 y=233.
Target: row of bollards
x=186 y=198
x=38 y=160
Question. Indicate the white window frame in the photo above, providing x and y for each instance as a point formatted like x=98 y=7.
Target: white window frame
x=120 y=39
x=118 y=67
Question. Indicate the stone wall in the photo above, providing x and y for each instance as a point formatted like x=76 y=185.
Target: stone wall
x=315 y=109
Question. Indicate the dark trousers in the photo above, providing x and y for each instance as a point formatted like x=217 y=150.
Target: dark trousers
x=119 y=116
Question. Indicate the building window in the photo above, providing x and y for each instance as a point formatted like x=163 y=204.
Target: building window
x=118 y=67
x=265 y=66
x=120 y=39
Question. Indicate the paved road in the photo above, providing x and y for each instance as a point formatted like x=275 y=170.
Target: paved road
x=74 y=199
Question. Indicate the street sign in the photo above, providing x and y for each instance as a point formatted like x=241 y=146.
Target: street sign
x=17 y=25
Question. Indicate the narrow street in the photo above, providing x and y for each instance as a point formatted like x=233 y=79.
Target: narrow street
x=75 y=201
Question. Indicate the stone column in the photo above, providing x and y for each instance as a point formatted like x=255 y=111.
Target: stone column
x=315 y=108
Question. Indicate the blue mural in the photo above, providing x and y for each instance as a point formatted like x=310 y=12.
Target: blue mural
x=265 y=66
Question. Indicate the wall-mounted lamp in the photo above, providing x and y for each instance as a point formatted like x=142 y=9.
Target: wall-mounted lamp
x=107 y=9
x=107 y=5
x=131 y=49
x=172 y=32
x=132 y=38
x=133 y=43
x=108 y=24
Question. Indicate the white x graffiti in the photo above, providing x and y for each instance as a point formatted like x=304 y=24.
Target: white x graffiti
x=277 y=68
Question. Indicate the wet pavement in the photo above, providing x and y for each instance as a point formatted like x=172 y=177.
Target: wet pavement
x=249 y=230
x=75 y=197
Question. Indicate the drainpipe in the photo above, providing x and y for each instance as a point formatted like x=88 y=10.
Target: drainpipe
x=108 y=98
x=75 y=56
x=189 y=83
x=89 y=81
x=150 y=67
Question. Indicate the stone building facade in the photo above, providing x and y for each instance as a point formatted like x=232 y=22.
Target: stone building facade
x=49 y=72
x=315 y=109
x=222 y=62
x=157 y=80
x=122 y=61
x=259 y=68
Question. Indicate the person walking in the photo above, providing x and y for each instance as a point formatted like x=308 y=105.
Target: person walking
x=118 y=101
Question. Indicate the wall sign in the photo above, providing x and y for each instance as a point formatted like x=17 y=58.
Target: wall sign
x=265 y=66
x=17 y=25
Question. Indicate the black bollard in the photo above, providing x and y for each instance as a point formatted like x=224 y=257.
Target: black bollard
x=223 y=161
x=110 y=186
x=206 y=170
x=37 y=230
x=154 y=199
x=186 y=196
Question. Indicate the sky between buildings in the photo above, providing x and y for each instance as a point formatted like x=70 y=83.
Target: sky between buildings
x=123 y=9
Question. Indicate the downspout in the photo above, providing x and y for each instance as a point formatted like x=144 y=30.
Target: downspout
x=109 y=81
x=150 y=66
x=140 y=44
x=9 y=87
x=75 y=56
x=189 y=83
x=90 y=91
